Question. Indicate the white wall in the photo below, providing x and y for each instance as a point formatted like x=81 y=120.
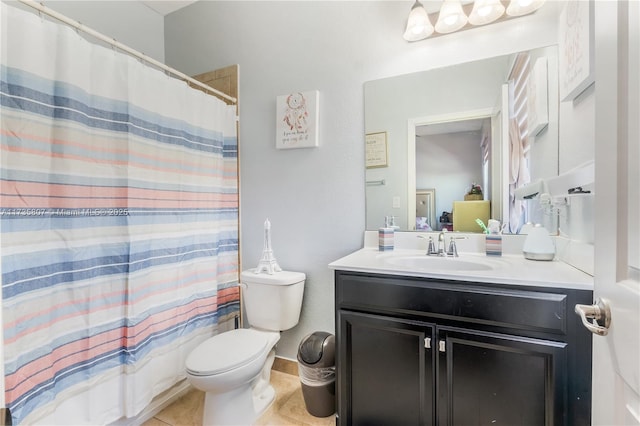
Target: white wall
x=315 y=197
x=578 y=136
x=129 y=22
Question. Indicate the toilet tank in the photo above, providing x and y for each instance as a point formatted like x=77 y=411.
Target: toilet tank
x=272 y=301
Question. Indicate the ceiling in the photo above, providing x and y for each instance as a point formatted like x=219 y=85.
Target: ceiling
x=165 y=7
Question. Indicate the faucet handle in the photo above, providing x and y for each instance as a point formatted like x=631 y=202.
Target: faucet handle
x=431 y=249
x=453 y=249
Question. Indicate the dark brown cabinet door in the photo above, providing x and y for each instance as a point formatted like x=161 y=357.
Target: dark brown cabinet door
x=392 y=381
x=495 y=379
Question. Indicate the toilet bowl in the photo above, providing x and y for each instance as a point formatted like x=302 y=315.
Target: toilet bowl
x=225 y=368
x=233 y=368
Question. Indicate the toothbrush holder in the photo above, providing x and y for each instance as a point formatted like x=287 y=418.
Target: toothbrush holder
x=493 y=245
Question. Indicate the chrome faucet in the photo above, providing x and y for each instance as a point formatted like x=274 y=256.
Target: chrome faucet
x=452 y=250
x=440 y=251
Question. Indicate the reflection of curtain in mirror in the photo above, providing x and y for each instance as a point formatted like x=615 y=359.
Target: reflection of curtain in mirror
x=519 y=139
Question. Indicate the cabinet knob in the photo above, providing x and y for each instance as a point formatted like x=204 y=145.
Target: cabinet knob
x=427 y=342
x=442 y=346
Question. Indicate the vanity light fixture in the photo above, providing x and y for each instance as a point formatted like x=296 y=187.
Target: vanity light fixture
x=523 y=7
x=418 y=24
x=486 y=11
x=453 y=15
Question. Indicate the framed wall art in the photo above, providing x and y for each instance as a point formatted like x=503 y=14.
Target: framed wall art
x=376 y=150
x=537 y=97
x=576 y=40
x=297 y=120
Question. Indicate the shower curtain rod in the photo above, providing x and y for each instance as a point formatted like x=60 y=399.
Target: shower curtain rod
x=81 y=27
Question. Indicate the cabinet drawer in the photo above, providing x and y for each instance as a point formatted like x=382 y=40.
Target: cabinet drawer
x=537 y=311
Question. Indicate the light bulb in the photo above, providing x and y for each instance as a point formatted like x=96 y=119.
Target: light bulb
x=451 y=17
x=418 y=25
x=486 y=11
x=523 y=7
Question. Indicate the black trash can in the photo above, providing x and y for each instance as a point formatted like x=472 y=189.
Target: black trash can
x=317 y=370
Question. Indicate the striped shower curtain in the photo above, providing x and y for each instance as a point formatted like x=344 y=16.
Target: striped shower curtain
x=119 y=225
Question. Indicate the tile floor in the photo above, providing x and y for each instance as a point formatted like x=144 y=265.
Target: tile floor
x=287 y=410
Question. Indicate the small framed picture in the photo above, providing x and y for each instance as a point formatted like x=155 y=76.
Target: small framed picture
x=376 y=146
x=576 y=43
x=297 y=120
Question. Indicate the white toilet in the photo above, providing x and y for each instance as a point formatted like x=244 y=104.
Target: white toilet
x=234 y=367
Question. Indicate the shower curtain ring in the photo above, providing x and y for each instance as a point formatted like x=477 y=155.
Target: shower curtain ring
x=77 y=28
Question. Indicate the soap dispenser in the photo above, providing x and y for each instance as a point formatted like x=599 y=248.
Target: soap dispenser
x=539 y=245
x=385 y=235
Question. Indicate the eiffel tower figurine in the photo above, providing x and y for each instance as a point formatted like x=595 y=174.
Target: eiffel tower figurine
x=268 y=262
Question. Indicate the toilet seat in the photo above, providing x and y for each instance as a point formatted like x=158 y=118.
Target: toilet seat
x=226 y=351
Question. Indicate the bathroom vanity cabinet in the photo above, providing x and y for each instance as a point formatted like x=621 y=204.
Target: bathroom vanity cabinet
x=421 y=351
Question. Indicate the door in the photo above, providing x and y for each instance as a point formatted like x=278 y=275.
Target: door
x=441 y=124
x=616 y=356
x=392 y=381
x=488 y=378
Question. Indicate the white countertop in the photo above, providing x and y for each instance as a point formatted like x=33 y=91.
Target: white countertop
x=511 y=269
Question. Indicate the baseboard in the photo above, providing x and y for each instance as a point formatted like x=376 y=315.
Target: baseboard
x=158 y=404
x=285 y=365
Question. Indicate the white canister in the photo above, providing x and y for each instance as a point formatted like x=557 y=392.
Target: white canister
x=539 y=244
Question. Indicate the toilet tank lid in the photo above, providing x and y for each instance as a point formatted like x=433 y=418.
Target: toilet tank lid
x=278 y=278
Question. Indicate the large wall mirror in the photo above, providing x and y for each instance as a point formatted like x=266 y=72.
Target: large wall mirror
x=460 y=139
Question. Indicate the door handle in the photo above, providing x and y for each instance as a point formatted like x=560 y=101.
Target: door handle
x=600 y=312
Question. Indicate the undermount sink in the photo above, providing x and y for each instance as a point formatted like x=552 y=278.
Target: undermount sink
x=439 y=263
